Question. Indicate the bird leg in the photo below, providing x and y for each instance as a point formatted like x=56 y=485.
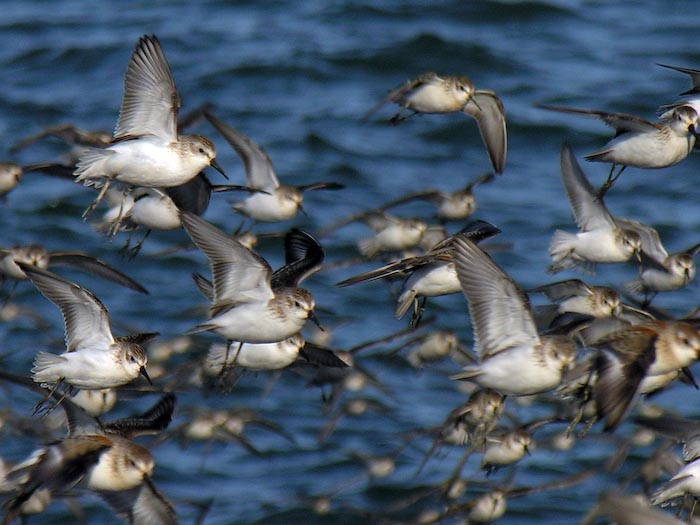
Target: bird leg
x=609 y=182
x=99 y=198
x=40 y=406
x=225 y=364
x=398 y=118
x=117 y=223
x=418 y=309
x=134 y=251
x=648 y=298
x=692 y=510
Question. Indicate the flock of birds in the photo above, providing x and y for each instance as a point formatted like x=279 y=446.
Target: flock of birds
x=589 y=356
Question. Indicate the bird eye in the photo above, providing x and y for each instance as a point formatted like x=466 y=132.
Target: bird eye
x=297 y=304
x=201 y=150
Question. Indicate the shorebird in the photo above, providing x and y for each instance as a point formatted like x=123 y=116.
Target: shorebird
x=100 y=457
x=639 y=142
x=94 y=358
x=431 y=93
x=147 y=149
x=660 y=271
x=247 y=306
x=602 y=238
x=514 y=358
x=450 y=206
x=638 y=359
x=429 y=275
x=275 y=201
x=37 y=256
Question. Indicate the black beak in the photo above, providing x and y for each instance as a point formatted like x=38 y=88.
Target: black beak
x=145 y=374
x=216 y=166
x=313 y=317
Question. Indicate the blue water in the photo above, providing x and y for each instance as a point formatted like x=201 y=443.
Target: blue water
x=297 y=77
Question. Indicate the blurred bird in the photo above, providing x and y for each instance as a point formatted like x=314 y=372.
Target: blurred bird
x=158 y=209
x=631 y=510
x=275 y=202
x=354 y=407
x=685 y=482
x=430 y=93
x=627 y=357
x=392 y=234
x=431 y=347
x=95 y=402
x=681 y=429
x=10 y=176
x=451 y=206
x=601 y=238
x=429 y=275
x=37 y=256
x=575 y=296
x=509 y=447
x=226 y=426
x=103 y=459
x=470 y=422
x=71 y=134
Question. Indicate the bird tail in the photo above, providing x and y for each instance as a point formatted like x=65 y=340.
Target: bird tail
x=560 y=249
x=46 y=368
x=219 y=357
x=200 y=328
x=368 y=247
x=598 y=156
x=468 y=372
x=404 y=302
x=635 y=286
x=89 y=166
x=668 y=491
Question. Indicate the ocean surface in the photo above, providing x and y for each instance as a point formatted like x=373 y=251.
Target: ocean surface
x=297 y=77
